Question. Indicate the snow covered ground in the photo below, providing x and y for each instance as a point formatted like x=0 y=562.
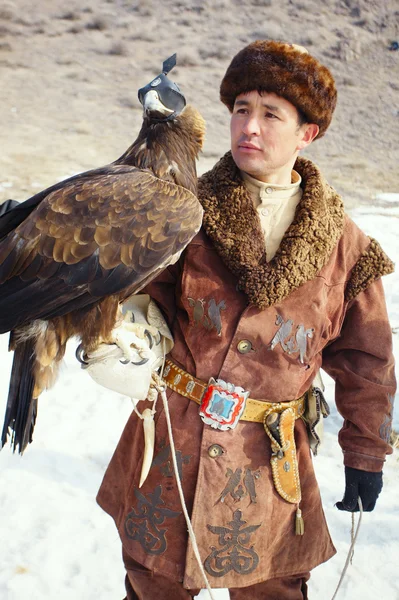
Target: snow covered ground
x=57 y=543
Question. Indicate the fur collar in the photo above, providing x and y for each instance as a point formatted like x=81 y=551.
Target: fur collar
x=232 y=223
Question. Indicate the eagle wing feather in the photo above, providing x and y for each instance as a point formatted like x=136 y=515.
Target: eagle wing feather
x=103 y=235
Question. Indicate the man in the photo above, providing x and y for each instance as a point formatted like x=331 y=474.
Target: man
x=277 y=283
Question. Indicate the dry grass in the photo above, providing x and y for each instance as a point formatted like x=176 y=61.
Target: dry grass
x=98 y=23
x=270 y=31
x=306 y=41
x=262 y=3
x=188 y=58
x=7 y=12
x=5 y=31
x=348 y=81
x=70 y=15
x=118 y=49
x=142 y=35
x=128 y=103
x=142 y=8
x=75 y=29
x=216 y=52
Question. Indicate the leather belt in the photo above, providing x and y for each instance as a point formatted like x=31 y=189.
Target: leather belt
x=278 y=420
x=190 y=387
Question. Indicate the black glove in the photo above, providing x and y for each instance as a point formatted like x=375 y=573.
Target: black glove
x=365 y=484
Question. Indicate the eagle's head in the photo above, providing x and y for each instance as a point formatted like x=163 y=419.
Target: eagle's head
x=172 y=134
x=162 y=99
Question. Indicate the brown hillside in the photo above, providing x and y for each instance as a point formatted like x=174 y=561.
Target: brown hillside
x=69 y=76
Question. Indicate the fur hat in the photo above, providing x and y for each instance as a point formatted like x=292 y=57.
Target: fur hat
x=288 y=71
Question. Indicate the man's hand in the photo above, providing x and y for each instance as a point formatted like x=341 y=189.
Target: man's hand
x=363 y=484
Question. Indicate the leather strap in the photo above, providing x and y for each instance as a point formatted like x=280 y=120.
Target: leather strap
x=190 y=387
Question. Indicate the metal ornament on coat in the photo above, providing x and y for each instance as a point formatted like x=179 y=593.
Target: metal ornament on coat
x=222 y=404
x=291 y=344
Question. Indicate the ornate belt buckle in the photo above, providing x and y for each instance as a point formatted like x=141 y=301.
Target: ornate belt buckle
x=222 y=404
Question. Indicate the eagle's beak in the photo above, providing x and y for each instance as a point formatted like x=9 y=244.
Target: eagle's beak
x=153 y=106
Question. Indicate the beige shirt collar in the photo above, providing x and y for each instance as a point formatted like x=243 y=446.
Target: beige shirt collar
x=271 y=193
x=275 y=205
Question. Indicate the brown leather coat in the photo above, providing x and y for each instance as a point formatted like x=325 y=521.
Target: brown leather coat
x=318 y=302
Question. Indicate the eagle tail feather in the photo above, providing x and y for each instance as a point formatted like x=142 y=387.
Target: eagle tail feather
x=21 y=409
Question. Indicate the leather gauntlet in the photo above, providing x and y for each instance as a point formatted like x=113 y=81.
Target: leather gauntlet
x=146 y=331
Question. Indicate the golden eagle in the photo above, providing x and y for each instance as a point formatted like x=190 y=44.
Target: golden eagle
x=73 y=252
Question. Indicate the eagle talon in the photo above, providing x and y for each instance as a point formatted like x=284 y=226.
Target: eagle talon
x=141 y=362
x=125 y=361
x=81 y=355
x=157 y=338
x=128 y=354
x=150 y=338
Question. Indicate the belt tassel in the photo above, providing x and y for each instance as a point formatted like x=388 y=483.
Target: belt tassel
x=299 y=524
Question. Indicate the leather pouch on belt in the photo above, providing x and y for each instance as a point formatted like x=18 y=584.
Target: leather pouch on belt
x=316 y=410
x=279 y=426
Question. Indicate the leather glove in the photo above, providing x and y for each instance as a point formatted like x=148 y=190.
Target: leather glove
x=363 y=484
x=108 y=367
x=145 y=328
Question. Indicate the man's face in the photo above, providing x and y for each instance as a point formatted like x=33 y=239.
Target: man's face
x=266 y=137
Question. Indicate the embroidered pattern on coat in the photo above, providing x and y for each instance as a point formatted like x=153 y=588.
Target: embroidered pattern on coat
x=238 y=487
x=142 y=524
x=163 y=460
x=213 y=318
x=234 y=553
x=386 y=427
x=291 y=343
